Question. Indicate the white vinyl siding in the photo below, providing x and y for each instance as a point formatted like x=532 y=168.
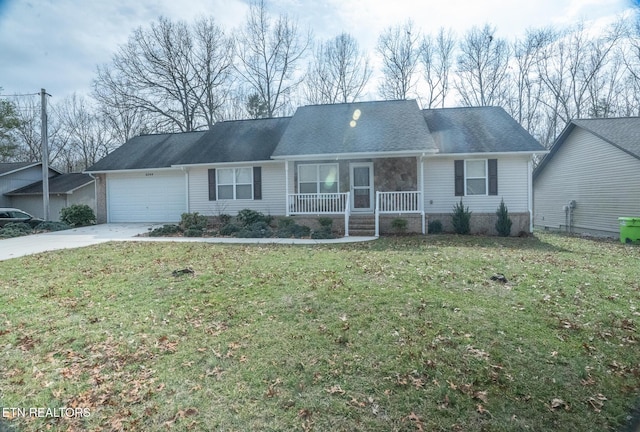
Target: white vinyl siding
x=273 y=193
x=439 y=186
x=602 y=179
x=152 y=196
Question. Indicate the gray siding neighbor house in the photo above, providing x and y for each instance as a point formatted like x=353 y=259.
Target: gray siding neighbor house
x=590 y=177
x=355 y=162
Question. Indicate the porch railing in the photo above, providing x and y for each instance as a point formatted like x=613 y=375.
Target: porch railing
x=398 y=202
x=323 y=203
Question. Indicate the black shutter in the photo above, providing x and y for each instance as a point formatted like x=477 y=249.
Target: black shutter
x=458 y=166
x=212 y=185
x=257 y=183
x=493 y=176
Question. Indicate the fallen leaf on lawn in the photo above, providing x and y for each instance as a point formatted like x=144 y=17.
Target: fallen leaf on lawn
x=335 y=389
x=481 y=396
x=597 y=402
x=417 y=420
x=558 y=403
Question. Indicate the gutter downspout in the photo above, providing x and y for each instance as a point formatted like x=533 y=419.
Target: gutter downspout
x=95 y=193
x=286 y=188
x=186 y=183
x=530 y=192
x=421 y=201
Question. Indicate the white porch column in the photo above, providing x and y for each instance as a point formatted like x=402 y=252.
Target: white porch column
x=421 y=199
x=530 y=191
x=286 y=188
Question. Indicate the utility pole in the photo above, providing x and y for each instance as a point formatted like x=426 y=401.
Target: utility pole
x=45 y=153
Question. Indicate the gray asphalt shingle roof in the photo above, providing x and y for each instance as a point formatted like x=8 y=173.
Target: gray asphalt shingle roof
x=366 y=128
x=148 y=151
x=361 y=127
x=7 y=167
x=60 y=184
x=478 y=130
x=236 y=141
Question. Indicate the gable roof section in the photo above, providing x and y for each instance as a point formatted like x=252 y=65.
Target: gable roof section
x=60 y=184
x=478 y=130
x=7 y=168
x=236 y=141
x=621 y=132
x=147 y=151
x=353 y=128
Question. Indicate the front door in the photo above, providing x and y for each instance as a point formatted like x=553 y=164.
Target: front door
x=362 y=186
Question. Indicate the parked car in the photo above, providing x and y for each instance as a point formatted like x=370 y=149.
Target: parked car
x=8 y=215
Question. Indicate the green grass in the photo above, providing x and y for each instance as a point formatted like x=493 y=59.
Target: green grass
x=400 y=334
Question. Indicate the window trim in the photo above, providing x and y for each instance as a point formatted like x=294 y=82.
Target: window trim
x=485 y=177
x=460 y=177
x=234 y=185
x=318 y=180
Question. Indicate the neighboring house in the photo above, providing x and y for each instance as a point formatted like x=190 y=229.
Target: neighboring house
x=64 y=190
x=14 y=175
x=349 y=161
x=590 y=177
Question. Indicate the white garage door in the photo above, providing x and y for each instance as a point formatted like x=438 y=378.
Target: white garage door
x=154 y=196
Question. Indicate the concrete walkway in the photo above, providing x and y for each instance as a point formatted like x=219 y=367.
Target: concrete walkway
x=95 y=234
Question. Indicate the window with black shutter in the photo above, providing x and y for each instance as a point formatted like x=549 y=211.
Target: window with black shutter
x=212 y=184
x=493 y=176
x=458 y=166
x=257 y=183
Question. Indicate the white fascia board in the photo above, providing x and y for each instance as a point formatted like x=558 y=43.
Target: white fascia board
x=230 y=164
x=123 y=171
x=340 y=156
x=487 y=154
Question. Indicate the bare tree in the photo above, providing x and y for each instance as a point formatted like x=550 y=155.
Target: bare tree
x=399 y=48
x=177 y=73
x=89 y=136
x=482 y=68
x=268 y=52
x=436 y=56
x=569 y=67
x=524 y=102
x=339 y=72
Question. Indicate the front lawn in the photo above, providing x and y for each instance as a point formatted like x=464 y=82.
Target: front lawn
x=400 y=334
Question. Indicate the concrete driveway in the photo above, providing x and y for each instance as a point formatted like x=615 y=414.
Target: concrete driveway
x=95 y=234
x=76 y=237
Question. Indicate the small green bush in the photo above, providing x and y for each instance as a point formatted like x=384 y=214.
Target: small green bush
x=248 y=217
x=165 y=230
x=288 y=228
x=11 y=230
x=258 y=229
x=325 y=222
x=52 y=226
x=224 y=219
x=461 y=218
x=193 y=232
x=229 y=229
x=503 y=224
x=19 y=226
x=193 y=221
x=435 y=227
x=78 y=215
x=325 y=231
x=399 y=225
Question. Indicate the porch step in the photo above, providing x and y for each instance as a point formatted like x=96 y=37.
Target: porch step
x=362 y=226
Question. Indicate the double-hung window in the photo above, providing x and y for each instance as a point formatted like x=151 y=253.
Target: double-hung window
x=235 y=183
x=476 y=177
x=318 y=178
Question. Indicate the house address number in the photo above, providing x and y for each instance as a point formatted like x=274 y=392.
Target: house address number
x=148 y=174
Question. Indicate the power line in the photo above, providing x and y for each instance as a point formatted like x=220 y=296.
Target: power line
x=21 y=95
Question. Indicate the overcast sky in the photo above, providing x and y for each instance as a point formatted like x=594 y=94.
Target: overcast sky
x=57 y=44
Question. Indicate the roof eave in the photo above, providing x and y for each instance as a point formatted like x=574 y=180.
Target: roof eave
x=339 y=156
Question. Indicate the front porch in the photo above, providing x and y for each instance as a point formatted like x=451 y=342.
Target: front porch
x=365 y=190
x=340 y=205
